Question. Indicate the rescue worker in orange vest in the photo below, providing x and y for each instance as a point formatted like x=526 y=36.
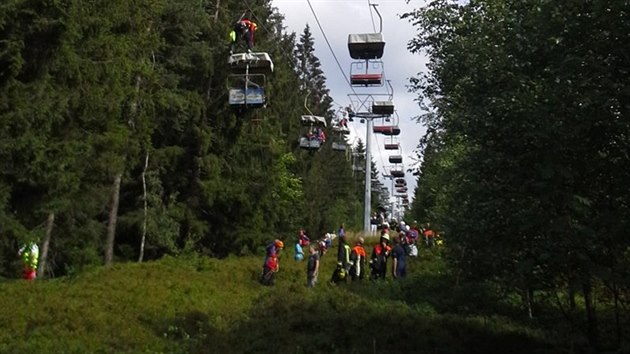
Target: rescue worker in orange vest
x=428 y=235
x=244 y=29
x=358 y=260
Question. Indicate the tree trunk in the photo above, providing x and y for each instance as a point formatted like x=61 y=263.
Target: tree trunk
x=216 y=13
x=144 y=197
x=615 y=290
x=41 y=271
x=529 y=297
x=589 y=309
x=111 y=224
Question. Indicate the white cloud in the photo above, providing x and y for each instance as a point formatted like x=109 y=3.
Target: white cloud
x=340 y=18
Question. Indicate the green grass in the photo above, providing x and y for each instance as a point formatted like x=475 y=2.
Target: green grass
x=202 y=305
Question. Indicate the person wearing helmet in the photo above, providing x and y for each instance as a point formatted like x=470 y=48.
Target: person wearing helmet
x=271 y=265
x=343 y=262
x=378 y=260
x=358 y=261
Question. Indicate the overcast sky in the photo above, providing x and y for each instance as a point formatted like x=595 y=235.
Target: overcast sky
x=339 y=18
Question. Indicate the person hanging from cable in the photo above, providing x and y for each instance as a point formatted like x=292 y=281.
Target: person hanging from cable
x=244 y=29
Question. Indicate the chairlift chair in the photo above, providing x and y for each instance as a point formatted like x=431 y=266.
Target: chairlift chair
x=310 y=121
x=366 y=46
x=383 y=107
x=247 y=90
x=392 y=145
x=397 y=171
x=368 y=74
x=395 y=159
x=247 y=81
x=253 y=63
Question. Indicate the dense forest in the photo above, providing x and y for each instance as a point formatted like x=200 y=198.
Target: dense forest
x=117 y=143
x=526 y=162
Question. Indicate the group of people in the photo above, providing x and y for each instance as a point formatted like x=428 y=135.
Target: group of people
x=317 y=134
x=352 y=262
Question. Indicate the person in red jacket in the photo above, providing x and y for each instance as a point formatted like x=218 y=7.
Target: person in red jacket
x=378 y=261
x=429 y=234
x=245 y=29
x=271 y=266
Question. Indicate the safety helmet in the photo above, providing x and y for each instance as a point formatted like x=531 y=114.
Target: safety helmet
x=279 y=244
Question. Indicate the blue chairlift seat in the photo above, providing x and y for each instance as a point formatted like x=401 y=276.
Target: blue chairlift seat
x=310 y=144
x=255 y=96
x=339 y=146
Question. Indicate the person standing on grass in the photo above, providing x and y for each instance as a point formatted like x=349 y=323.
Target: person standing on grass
x=341 y=233
x=358 y=261
x=343 y=262
x=304 y=239
x=399 y=270
x=428 y=235
x=378 y=260
x=30 y=259
x=271 y=265
x=312 y=266
x=299 y=252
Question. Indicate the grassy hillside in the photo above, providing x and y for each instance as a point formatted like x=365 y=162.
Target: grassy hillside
x=202 y=305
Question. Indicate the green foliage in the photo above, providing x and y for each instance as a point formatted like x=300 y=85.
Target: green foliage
x=197 y=304
x=525 y=123
x=87 y=91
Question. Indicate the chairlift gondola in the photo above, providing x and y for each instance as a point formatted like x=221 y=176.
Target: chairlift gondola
x=386 y=128
x=340 y=130
x=395 y=159
x=397 y=171
x=368 y=49
x=313 y=139
x=247 y=80
x=392 y=146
